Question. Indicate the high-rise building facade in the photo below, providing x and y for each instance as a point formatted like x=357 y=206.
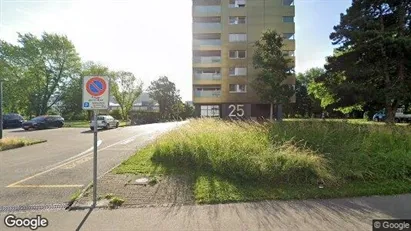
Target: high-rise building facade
x=224 y=32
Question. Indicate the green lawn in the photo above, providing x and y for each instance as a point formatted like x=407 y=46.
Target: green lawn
x=15 y=142
x=85 y=124
x=249 y=161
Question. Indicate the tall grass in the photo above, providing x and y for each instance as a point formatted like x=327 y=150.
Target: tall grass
x=241 y=151
x=354 y=151
x=15 y=142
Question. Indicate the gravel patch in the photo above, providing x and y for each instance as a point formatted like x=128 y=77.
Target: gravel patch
x=163 y=191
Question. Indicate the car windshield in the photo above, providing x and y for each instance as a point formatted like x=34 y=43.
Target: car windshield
x=11 y=117
x=38 y=119
x=100 y=118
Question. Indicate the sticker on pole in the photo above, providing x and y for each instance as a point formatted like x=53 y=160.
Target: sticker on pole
x=95 y=92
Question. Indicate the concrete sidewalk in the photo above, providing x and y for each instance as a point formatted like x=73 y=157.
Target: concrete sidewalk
x=333 y=214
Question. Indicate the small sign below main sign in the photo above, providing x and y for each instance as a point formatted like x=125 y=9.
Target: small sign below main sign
x=96 y=93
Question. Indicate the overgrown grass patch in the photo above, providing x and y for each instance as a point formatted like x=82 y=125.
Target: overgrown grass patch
x=246 y=161
x=16 y=142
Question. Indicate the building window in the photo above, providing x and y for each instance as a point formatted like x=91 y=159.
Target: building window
x=288 y=2
x=238 y=71
x=236 y=3
x=237 y=37
x=288 y=53
x=289 y=36
x=237 y=88
x=237 y=54
x=210 y=111
x=234 y=20
x=288 y=19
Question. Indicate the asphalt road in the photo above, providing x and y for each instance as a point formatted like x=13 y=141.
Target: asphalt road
x=51 y=172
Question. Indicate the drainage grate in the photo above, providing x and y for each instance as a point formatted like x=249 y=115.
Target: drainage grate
x=25 y=208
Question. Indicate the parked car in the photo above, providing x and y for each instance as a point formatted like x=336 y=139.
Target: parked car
x=400 y=116
x=105 y=122
x=42 y=122
x=379 y=116
x=12 y=120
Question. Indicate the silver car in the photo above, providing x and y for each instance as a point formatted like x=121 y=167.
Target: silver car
x=105 y=122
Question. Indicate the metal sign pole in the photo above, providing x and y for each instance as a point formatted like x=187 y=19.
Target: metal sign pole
x=95 y=161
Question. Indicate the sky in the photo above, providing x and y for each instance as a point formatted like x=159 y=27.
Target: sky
x=152 y=38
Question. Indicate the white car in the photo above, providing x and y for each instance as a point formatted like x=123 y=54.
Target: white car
x=105 y=122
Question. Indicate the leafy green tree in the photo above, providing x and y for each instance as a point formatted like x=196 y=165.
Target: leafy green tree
x=39 y=67
x=188 y=111
x=274 y=69
x=306 y=105
x=165 y=93
x=126 y=89
x=374 y=59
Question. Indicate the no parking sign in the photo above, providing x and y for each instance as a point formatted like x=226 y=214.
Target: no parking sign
x=95 y=92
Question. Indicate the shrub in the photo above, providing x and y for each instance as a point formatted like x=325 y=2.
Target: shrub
x=116 y=114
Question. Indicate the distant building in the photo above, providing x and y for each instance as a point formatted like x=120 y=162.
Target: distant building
x=142 y=103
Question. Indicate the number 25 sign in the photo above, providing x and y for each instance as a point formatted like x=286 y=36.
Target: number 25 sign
x=236 y=110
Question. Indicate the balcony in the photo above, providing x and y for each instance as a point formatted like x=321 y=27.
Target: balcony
x=208 y=94
x=204 y=11
x=207 y=44
x=207 y=60
x=207 y=76
x=206 y=27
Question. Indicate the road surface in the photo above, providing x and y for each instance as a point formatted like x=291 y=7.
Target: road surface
x=51 y=172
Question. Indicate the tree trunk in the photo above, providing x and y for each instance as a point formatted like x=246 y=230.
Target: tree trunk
x=279 y=112
x=271 y=112
x=391 y=109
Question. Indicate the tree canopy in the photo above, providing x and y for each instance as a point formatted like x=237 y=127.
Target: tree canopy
x=274 y=68
x=373 y=61
x=36 y=69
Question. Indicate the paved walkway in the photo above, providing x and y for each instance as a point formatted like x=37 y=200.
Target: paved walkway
x=334 y=214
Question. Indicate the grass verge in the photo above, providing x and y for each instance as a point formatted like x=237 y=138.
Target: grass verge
x=15 y=142
x=86 y=124
x=248 y=161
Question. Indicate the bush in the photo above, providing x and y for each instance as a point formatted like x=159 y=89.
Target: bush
x=144 y=117
x=116 y=114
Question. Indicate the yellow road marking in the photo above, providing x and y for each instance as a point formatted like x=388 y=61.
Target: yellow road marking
x=46 y=186
x=71 y=161
x=79 y=161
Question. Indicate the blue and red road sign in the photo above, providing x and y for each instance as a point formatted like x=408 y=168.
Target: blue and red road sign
x=96 y=86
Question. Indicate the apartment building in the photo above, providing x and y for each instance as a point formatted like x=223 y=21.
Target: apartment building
x=224 y=32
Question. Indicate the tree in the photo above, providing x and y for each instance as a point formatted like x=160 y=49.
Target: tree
x=274 y=69
x=188 y=111
x=166 y=94
x=374 y=59
x=40 y=67
x=306 y=104
x=126 y=89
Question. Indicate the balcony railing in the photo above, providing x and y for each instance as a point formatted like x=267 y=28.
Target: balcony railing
x=207 y=9
x=211 y=94
x=208 y=59
x=207 y=76
x=207 y=26
x=206 y=42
